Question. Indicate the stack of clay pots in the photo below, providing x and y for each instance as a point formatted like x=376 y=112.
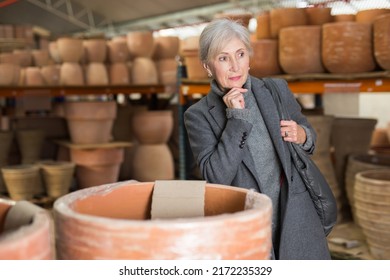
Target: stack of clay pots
x=189 y=51
x=90 y=125
x=153 y=160
x=165 y=55
x=95 y=53
x=70 y=53
x=118 y=64
x=311 y=40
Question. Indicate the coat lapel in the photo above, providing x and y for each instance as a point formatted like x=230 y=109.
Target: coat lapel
x=268 y=108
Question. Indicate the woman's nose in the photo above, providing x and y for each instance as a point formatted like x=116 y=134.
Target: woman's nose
x=234 y=65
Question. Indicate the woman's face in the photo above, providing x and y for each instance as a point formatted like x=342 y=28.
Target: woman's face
x=230 y=67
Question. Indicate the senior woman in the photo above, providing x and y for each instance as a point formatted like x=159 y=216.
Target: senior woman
x=237 y=139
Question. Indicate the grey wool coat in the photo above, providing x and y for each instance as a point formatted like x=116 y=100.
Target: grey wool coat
x=218 y=145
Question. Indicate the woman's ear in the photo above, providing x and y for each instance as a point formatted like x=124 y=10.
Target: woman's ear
x=205 y=66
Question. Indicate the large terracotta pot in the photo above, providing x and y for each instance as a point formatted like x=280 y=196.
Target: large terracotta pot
x=71 y=74
x=263 y=26
x=368 y=16
x=119 y=73
x=117 y=50
x=342 y=52
x=51 y=74
x=381 y=29
x=95 y=50
x=265 y=59
x=318 y=15
x=9 y=74
x=167 y=71
x=33 y=76
x=300 y=49
x=70 y=49
x=166 y=47
x=96 y=74
x=358 y=163
x=40 y=57
x=29 y=232
x=140 y=43
x=96 y=166
x=144 y=71
x=152 y=127
x=286 y=17
x=90 y=122
x=193 y=65
x=372 y=201
x=124 y=213
x=344 y=17
x=25 y=57
x=349 y=136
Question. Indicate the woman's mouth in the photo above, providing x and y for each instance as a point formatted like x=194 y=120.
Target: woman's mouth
x=235 y=78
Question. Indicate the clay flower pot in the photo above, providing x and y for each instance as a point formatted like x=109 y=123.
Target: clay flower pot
x=194 y=67
x=286 y=17
x=25 y=232
x=121 y=228
x=57 y=177
x=152 y=127
x=96 y=166
x=70 y=49
x=166 y=47
x=23 y=182
x=95 y=50
x=381 y=28
x=265 y=61
x=90 y=122
x=140 y=43
x=117 y=50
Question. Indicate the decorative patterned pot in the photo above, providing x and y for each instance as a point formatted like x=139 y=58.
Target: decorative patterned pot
x=124 y=216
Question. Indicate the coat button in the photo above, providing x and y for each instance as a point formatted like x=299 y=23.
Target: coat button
x=241 y=146
x=242 y=142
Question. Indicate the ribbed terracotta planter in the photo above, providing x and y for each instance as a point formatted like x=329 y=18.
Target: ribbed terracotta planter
x=300 y=49
x=30 y=236
x=263 y=30
x=349 y=136
x=381 y=29
x=70 y=49
x=30 y=142
x=358 y=163
x=140 y=43
x=95 y=50
x=96 y=166
x=372 y=201
x=90 y=122
x=286 y=17
x=23 y=182
x=265 y=59
x=347 y=47
x=123 y=216
x=57 y=177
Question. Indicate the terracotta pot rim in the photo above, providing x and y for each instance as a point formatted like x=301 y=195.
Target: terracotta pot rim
x=61 y=205
x=367 y=176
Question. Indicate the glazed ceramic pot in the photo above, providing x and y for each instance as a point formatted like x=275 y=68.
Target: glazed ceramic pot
x=129 y=233
x=26 y=232
x=90 y=122
x=372 y=202
x=359 y=163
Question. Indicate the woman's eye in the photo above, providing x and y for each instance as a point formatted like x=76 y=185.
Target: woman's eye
x=241 y=54
x=222 y=58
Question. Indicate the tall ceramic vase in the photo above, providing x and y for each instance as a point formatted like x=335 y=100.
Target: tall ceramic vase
x=153 y=160
x=5 y=146
x=349 y=136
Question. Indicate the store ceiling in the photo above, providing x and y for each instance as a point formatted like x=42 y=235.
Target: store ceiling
x=111 y=17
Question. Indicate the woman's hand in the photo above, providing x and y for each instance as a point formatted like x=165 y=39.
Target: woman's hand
x=235 y=98
x=292 y=132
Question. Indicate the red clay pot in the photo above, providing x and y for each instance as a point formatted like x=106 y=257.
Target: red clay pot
x=113 y=222
x=265 y=59
x=25 y=240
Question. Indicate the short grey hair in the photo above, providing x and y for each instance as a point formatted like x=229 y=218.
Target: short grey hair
x=217 y=33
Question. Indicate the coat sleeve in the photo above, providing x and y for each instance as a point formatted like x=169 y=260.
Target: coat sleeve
x=218 y=148
x=295 y=112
